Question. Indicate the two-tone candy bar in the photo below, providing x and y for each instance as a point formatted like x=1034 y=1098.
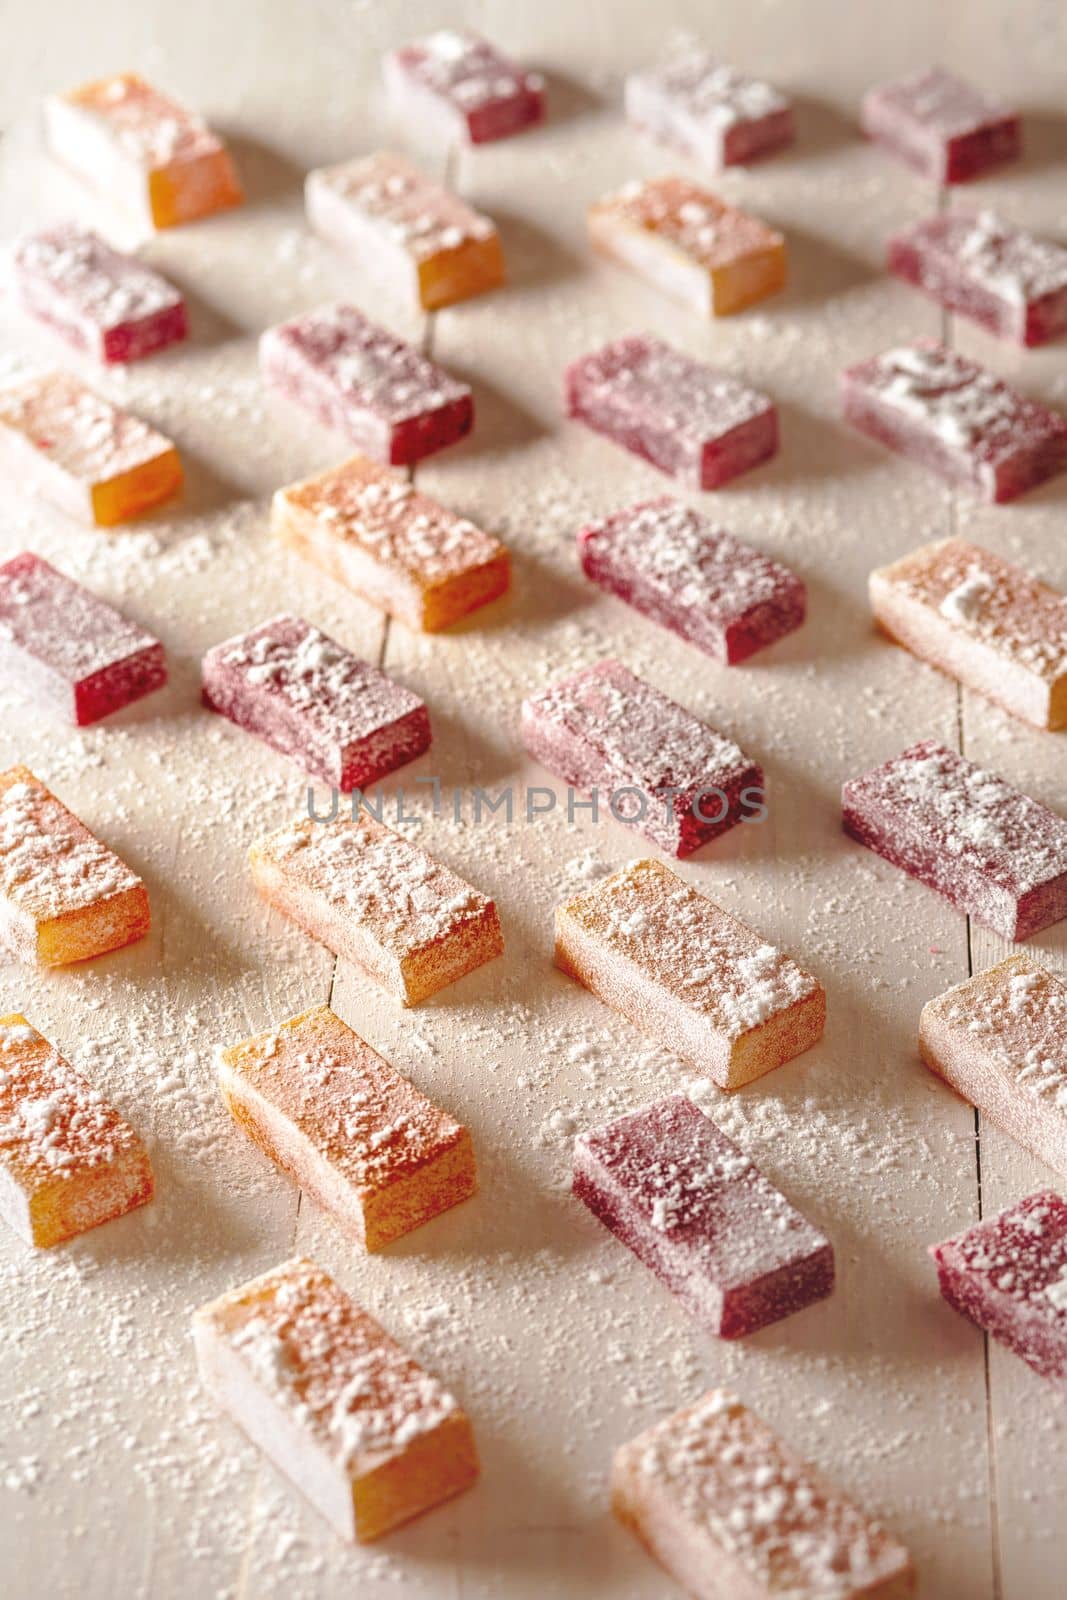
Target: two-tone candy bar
x=369 y=528
x=307 y=696
x=729 y=1509
x=700 y=982
x=701 y=1216
x=391 y=402
x=693 y=246
x=379 y=901
x=364 y=1432
x=698 y=425
x=673 y=565
x=1000 y=1040
x=387 y=215
x=984 y=621
x=649 y=762
x=952 y=416
x=354 y=1134
x=991 y=851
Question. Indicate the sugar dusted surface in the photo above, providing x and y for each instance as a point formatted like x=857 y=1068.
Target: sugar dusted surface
x=88 y=279
x=410 y=209
x=469 y=74
x=1008 y=279
x=695 y=102
x=150 y=127
x=940 y=102
x=49 y=863
x=687 y=216
x=729 y=1480
x=60 y=623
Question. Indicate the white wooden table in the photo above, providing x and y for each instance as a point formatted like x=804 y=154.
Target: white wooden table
x=116 y=1477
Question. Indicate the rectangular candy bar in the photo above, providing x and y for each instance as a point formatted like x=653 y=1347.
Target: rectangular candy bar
x=64 y=896
x=1011 y=282
x=372 y=531
x=391 y=402
x=66 y=650
x=68 y=1161
x=683 y=240
x=310 y=698
x=984 y=621
x=1009 y=1275
x=1000 y=1040
x=456 y=82
x=100 y=464
x=729 y=1510
x=142 y=149
x=364 y=1432
x=355 y=1135
x=701 y=426
x=110 y=305
x=671 y=564
x=717 y=115
x=991 y=851
x=701 y=1216
x=700 y=982
x=952 y=416
x=941 y=126
x=651 y=763
x=378 y=901
x=385 y=214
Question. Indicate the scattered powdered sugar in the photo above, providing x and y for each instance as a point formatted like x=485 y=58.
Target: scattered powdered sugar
x=80 y=431
x=89 y=278
x=49 y=862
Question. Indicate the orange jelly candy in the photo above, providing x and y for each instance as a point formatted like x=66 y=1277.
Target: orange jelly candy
x=144 y=149
x=359 y=1138
x=67 y=1160
x=356 y=1425
x=64 y=896
x=76 y=449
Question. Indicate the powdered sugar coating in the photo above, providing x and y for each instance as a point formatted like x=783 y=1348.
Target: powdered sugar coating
x=100 y=300
x=673 y=565
x=309 y=697
x=463 y=79
x=329 y=1364
x=603 y=729
x=1000 y=1039
x=355 y=376
x=689 y=420
x=994 y=853
x=399 y=203
x=77 y=430
x=941 y=409
x=372 y=896
x=49 y=863
x=147 y=125
x=689 y=973
x=347 y=1126
x=68 y=649
x=983 y=620
x=727 y=1507
x=941 y=125
x=1009 y=1275
x=374 y=532
x=1012 y=282
x=708 y=109
x=701 y=1215
x=68 y=1160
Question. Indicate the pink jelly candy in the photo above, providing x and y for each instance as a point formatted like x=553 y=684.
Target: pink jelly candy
x=1009 y=1275
x=458 y=82
x=991 y=851
x=111 y=305
x=393 y=403
x=671 y=564
x=709 y=111
x=310 y=698
x=700 y=1215
x=645 y=758
x=701 y=426
x=951 y=415
x=1011 y=282
x=68 y=651
x=941 y=126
